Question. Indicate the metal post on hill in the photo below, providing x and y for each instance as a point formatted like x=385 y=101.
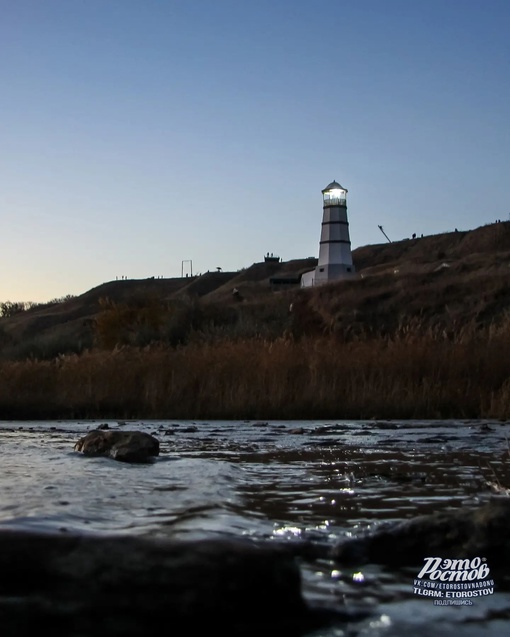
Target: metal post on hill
x=381 y=229
x=190 y=267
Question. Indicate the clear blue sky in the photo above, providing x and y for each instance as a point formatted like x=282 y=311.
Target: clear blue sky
x=135 y=134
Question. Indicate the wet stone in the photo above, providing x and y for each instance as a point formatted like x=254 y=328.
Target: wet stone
x=125 y=446
x=457 y=534
x=88 y=586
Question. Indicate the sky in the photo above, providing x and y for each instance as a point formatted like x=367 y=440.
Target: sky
x=144 y=138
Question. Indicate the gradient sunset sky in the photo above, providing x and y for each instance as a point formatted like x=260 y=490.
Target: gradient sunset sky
x=138 y=134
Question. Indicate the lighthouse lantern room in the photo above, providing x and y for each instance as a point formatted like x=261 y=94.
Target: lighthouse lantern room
x=334 y=194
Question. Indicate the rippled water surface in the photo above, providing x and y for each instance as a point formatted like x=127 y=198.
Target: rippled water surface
x=277 y=480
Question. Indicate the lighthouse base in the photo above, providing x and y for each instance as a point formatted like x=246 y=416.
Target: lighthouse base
x=327 y=274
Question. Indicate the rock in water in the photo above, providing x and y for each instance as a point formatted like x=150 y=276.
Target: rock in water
x=70 y=585
x=458 y=534
x=126 y=446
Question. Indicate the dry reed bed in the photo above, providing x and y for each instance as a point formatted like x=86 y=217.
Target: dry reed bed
x=403 y=377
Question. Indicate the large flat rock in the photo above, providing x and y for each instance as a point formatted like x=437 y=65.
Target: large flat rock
x=84 y=586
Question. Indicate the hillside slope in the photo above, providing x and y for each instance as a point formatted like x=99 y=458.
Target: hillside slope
x=446 y=281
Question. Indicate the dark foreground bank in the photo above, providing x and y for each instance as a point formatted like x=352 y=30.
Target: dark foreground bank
x=78 y=585
x=81 y=586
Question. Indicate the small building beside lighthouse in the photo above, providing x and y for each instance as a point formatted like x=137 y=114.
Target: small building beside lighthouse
x=335 y=257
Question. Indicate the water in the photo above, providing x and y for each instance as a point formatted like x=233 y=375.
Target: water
x=278 y=480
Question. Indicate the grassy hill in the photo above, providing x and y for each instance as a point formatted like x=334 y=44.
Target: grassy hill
x=450 y=281
x=422 y=330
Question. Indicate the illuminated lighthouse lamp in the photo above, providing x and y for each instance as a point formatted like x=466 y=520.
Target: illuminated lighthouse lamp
x=334 y=194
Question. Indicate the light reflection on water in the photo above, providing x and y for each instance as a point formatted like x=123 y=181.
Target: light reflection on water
x=267 y=481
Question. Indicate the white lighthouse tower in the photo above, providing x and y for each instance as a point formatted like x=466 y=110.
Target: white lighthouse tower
x=335 y=257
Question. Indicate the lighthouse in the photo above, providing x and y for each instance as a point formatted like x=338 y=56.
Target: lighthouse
x=335 y=257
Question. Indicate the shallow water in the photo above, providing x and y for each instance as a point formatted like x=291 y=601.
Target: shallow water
x=277 y=480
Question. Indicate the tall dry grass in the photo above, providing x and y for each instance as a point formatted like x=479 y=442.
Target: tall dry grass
x=405 y=376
